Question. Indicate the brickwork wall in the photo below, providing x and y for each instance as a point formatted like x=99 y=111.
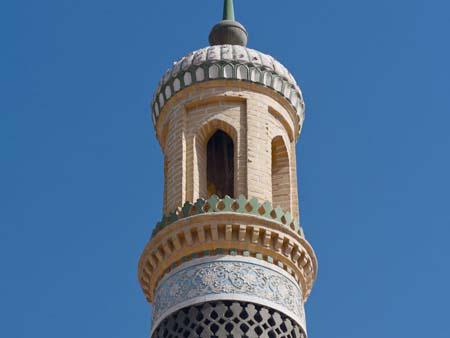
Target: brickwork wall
x=294 y=192
x=175 y=155
x=252 y=115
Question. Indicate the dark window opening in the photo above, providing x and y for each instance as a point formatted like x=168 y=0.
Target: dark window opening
x=220 y=165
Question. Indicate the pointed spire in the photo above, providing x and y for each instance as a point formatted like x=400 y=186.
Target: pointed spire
x=228 y=10
x=228 y=31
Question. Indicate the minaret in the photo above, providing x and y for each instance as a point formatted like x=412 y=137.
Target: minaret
x=228 y=258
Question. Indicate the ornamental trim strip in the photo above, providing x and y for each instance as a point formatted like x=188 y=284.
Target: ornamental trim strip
x=241 y=205
x=228 y=278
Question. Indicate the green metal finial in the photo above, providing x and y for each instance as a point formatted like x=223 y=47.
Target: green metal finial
x=228 y=10
x=228 y=31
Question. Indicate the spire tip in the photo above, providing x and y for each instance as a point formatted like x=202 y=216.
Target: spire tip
x=228 y=10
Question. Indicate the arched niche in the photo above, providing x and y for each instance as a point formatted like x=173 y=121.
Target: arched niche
x=281 y=185
x=222 y=140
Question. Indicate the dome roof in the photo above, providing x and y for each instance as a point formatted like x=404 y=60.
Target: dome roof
x=227 y=62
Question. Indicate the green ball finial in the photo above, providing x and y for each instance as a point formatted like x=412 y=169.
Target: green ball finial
x=228 y=10
x=228 y=31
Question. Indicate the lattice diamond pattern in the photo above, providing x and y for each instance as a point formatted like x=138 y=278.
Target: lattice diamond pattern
x=226 y=319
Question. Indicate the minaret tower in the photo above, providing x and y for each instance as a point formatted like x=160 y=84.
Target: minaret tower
x=228 y=258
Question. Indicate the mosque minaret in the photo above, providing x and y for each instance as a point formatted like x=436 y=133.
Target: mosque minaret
x=229 y=257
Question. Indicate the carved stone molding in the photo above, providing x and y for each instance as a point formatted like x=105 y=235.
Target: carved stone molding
x=204 y=234
x=228 y=278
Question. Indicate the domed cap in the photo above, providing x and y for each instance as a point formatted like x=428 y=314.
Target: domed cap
x=228 y=58
x=228 y=31
x=228 y=62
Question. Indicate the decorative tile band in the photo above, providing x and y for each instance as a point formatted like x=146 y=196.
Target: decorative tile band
x=228 y=63
x=240 y=205
x=228 y=278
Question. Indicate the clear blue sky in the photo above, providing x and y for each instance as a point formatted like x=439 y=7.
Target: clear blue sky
x=81 y=171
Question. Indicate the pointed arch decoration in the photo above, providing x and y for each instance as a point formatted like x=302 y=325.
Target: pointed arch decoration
x=216 y=149
x=220 y=165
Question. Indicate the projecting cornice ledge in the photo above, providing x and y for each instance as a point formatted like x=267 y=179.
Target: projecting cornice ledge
x=215 y=231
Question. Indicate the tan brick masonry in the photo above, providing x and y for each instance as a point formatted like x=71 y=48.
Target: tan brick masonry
x=261 y=124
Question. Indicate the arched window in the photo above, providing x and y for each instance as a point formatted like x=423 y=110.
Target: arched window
x=220 y=165
x=281 y=187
